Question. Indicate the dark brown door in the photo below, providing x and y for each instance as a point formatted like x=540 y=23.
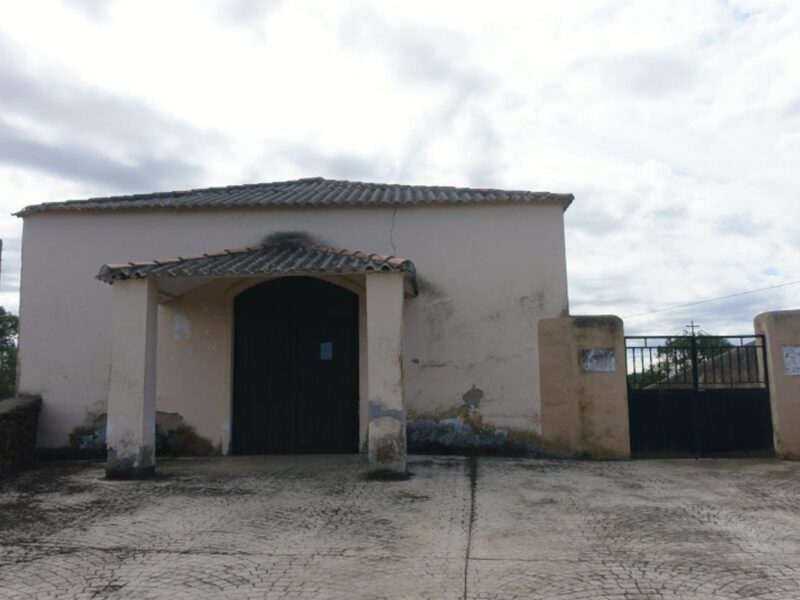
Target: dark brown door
x=295 y=369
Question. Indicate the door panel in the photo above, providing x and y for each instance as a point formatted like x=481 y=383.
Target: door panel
x=291 y=394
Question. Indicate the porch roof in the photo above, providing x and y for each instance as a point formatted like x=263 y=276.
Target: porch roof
x=296 y=257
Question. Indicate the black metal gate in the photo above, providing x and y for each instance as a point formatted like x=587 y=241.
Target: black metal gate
x=698 y=396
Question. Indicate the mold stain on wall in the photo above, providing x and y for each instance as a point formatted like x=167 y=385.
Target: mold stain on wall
x=462 y=430
x=174 y=437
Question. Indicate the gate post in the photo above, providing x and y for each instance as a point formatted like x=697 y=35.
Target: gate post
x=583 y=386
x=386 y=432
x=781 y=331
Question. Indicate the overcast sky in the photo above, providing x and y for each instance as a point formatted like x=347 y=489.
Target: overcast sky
x=675 y=124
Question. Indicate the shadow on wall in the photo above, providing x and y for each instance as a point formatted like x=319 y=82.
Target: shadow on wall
x=174 y=437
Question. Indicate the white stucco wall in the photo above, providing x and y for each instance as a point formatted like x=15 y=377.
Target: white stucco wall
x=487 y=274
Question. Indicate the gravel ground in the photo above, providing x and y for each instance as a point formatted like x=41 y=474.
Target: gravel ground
x=486 y=528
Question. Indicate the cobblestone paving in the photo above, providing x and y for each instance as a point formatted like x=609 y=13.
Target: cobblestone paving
x=706 y=529
x=313 y=527
x=271 y=527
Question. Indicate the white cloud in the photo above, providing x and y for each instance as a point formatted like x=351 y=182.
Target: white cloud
x=677 y=125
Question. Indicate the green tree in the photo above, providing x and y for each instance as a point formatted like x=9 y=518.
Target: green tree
x=652 y=374
x=708 y=346
x=672 y=362
x=9 y=329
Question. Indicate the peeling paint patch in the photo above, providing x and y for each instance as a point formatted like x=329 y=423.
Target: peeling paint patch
x=181 y=327
x=377 y=411
x=472 y=398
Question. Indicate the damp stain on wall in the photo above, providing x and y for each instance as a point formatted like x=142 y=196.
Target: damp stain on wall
x=462 y=430
x=181 y=327
x=174 y=437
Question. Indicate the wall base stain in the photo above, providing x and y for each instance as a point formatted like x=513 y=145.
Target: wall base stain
x=387 y=475
x=182 y=441
x=466 y=434
x=126 y=468
x=89 y=439
x=174 y=437
x=389 y=449
x=462 y=430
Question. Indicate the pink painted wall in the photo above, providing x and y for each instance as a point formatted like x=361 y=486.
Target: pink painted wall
x=487 y=274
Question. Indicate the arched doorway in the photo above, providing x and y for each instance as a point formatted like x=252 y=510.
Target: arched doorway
x=295 y=368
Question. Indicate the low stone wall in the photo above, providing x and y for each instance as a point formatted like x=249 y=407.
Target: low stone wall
x=19 y=420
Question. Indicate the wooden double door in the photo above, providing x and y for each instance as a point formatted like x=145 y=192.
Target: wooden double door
x=295 y=370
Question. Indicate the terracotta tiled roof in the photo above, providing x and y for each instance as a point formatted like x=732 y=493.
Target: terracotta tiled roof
x=302 y=193
x=294 y=257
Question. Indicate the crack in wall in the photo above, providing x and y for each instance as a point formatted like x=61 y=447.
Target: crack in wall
x=391 y=230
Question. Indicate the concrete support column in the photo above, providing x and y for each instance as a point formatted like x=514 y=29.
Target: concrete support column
x=387 y=417
x=130 y=433
x=781 y=331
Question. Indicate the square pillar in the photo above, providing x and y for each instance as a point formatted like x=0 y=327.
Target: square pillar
x=386 y=435
x=781 y=331
x=584 y=386
x=130 y=432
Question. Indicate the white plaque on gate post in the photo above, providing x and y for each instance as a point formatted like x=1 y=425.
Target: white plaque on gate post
x=599 y=360
x=791 y=360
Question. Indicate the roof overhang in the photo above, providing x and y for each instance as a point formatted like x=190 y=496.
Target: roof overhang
x=296 y=257
x=313 y=192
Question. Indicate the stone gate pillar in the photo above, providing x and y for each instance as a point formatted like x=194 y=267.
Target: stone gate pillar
x=584 y=387
x=387 y=417
x=781 y=331
x=130 y=432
